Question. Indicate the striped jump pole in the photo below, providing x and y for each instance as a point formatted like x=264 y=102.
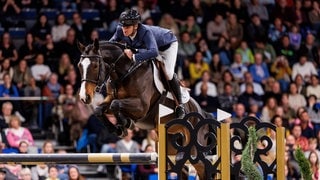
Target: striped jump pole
x=80 y=158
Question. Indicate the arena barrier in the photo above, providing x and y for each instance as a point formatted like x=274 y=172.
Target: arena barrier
x=80 y=158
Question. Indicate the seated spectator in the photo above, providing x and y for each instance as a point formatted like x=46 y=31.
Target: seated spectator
x=313 y=108
x=205 y=80
x=276 y=30
x=305 y=68
x=246 y=53
x=40 y=172
x=301 y=85
x=13 y=170
x=310 y=49
x=8 y=89
x=313 y=145
x=41 y=29
x=282 y=72
x=16 y=133
x=295 y=37
x=7 y=49
x=69 y=45
x=295 y=99
x=269 y=109
x=50 y=51
x=238 y=68
x=216 y=68
x=314 y=87
x=28 y=49
x=259 y=69
x=256 y=28
x=314 y=16
x=215 y=29
x=47 y=147
x=31 y=107
x=168 y=22
x=146 y=170
x=305 y=122
x=197 y=67
x=21 y=76
x=275 y=92
x=266 y=49
x=59 y=30
x=5 y=68
x=228 y=78
x=257 y=88
x=255 y=7
x=25 y=174
x=313 y=159
x=202 y=46
x=40 y=71
x=52 y=173
x=284 y=48
x=227 y=100
x=81 y=27
x=300 y=140
x=249 y=96
x=74 y=173
x=23 y=147
x=234 y=30
x=186 y=51
x=63 y=67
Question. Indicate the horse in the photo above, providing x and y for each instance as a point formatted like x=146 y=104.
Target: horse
x=132 y=95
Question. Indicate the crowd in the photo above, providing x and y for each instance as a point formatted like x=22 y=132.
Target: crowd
x=247 y=57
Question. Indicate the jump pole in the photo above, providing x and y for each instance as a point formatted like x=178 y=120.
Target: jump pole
x=80 y=158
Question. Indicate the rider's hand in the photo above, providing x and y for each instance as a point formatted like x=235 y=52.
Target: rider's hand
x=129 y=53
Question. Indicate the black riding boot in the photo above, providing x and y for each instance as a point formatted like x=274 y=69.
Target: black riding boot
x=175 y=86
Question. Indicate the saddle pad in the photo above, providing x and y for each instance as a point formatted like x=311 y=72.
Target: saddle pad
x=160 y=87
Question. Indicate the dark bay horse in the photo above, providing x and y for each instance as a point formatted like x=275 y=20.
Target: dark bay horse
x=131 y=92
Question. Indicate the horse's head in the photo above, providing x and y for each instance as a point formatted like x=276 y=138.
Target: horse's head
x=92 y=70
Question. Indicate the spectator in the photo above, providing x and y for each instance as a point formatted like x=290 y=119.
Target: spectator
x=205 y=80
x=149 y=140
x=8 y=89
x=296 y=100
x=23 y=147
x=59 y=30
x=285 y=12
x=266 y=49
x=7 y=48
x=168 y=22
x=295 y=37
x=313 y=145
x=284 y=48
x=313 y=109
x=238 y=68
x=314 y=163
x=246 y=53
x=63 y=67
x=254 y=7
x=192 y=28
x=305 y=123
x=31 y=107
x=69 y=46
x=28 y=50
x=310 y=50
x=111 y=13
x=13 y=170
x=186 y=48
x=47 y=147
x=16 y=133
x=227 y=100
x=257 y=30
x=269 y=109
x=234 y=31
x=40 y=71
x=40 y=172
x=197 y=67
x=276 y=30
x=274 y=92
x=240 y=10
x=215 y=28
x=25 y=174
x=10 y=12
x=142 y=8
x=314 y=87
x=314 y=16
x=21 y=76
x=301 y=85
x=5 y=68
x=259 y=70
x=82 y=29
x=256 y=86
x=41 y=29
x=127 y=145
x=180 y=10
x=305 y=68
x=249 y=96
x=282 y=72
x=239 y=113
x=301 y=141
x=216 y=68
x=53 y=173
x=50 y=52
x=202 y=46
x=74 y=173
x=146 y=170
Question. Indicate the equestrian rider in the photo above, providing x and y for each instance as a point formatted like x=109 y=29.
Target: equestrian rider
x=150 y=42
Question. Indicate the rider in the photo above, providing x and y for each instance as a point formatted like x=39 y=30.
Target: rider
x=150 y=42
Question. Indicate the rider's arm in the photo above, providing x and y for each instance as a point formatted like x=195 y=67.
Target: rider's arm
x=151 y=50
x=117 y=36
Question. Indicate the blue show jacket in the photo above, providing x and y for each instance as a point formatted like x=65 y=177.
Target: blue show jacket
x=148 y=40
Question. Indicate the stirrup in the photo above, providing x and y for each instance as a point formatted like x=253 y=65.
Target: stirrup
x=180 y=112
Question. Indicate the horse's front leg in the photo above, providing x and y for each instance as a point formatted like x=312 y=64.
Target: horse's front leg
x=100 y=112
x=127 y=111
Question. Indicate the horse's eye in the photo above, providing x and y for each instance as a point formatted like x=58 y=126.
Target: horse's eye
x=95 y=66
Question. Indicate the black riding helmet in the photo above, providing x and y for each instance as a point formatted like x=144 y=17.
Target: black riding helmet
x=129 y=17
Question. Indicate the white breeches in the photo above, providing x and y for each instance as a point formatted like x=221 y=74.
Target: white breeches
x=169 y=58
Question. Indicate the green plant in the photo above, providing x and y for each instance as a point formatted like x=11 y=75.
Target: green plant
x=247 y=165
x=303 y=164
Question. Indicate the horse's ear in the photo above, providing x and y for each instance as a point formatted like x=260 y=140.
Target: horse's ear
x=96 y=44
x=80 y=46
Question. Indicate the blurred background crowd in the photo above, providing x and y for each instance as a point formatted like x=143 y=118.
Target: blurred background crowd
x=247 y=57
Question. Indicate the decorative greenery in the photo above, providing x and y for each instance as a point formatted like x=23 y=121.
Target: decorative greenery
x=247 y=165
x=303 y=164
